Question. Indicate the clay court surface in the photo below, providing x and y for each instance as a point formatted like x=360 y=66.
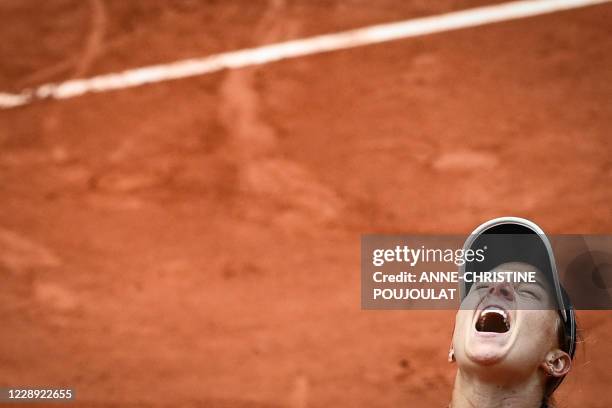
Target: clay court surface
x=195 y=243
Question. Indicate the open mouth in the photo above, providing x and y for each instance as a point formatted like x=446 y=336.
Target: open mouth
x=493 y=319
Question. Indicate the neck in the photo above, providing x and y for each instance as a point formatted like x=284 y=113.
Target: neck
x=473 y=392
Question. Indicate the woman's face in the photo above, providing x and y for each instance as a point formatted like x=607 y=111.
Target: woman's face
x=506 y=327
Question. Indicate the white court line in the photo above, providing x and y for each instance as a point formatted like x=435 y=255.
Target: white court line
x=291 y=49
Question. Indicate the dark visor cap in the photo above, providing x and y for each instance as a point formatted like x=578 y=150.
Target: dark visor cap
x=513 y=239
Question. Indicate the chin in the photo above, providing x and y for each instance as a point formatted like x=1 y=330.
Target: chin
x=486 y=355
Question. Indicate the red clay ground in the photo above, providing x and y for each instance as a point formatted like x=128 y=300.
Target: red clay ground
x=196 y=243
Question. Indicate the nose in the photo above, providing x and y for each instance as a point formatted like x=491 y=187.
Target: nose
x=503 y=290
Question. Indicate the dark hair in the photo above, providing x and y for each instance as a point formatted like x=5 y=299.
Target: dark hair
x=553 y=383
x=545 y=403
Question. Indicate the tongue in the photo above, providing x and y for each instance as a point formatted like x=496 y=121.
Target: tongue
x=491 y=322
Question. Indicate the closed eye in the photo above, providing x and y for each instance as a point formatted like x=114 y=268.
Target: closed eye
x=531 y=290
x=529 y=293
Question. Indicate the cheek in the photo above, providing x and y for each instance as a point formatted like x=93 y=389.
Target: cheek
x=463 y=319
x=462 y=326
x=538 y=332
x=471 y=300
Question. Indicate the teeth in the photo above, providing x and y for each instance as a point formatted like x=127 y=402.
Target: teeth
x=494 y=309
